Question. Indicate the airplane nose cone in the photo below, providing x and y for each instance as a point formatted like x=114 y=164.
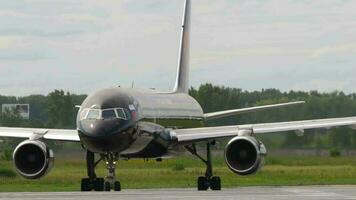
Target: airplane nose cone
x=100 y=128
x=106 y=121
x=103 y=136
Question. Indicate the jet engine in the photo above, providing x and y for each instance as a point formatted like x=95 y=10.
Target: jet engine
x=244 y=155
x=33 y=159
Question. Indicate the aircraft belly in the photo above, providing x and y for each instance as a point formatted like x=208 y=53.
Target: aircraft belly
x=138 y=145
x=153 y=149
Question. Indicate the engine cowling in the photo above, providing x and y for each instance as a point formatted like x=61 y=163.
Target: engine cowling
x=33 y=159
x=244 y=155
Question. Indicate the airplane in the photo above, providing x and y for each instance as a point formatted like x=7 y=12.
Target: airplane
x=129 y=123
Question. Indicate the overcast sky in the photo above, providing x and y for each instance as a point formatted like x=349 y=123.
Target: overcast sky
x=84 y=45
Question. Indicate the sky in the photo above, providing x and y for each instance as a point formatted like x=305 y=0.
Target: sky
x=84 y=45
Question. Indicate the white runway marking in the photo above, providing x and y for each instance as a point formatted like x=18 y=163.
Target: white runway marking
x=243 y=193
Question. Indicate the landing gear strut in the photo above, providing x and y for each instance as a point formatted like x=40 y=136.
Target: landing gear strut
x=92 y=182
x=207 y=181
x=101 y=184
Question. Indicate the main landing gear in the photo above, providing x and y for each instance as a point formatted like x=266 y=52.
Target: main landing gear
x=207 y=181
x=100 y=184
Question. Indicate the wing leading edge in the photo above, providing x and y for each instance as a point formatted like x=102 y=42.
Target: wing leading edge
x=213 y=133
x=48 y=134
x=226 y=113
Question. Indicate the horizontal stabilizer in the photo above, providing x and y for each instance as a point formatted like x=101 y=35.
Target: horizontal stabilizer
x=227 y=113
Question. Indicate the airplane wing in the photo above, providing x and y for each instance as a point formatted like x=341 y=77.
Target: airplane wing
x=213 y=133
x=48 y=134
x=226 y=113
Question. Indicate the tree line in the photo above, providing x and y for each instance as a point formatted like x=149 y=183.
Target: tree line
x=57 y=110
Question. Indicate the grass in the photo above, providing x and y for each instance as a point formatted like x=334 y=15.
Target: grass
x=183 y=172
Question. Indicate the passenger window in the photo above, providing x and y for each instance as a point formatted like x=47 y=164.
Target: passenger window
x=120 y=113
x=108 y=114
x=93 y=114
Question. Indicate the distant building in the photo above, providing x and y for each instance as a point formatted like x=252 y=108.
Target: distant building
x=22 y=109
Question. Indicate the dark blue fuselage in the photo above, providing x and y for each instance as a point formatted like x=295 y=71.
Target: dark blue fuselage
x=102 y=134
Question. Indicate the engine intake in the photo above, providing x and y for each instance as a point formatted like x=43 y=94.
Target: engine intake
x=33 y=159
x=244 y=155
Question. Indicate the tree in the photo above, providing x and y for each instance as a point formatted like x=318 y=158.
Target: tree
x=60 y=110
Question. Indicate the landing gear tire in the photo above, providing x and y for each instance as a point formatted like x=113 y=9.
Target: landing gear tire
x=107 y=186
x=92 y=184
x=215 y=183
x=85 y=185
x=99 y=184
x=203 y=184
x=117 y=186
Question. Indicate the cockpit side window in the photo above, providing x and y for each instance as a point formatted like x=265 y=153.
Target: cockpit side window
x=93 y=114
x=120 y=113
x=83 y=113
x=128 y=114
x=108 y=114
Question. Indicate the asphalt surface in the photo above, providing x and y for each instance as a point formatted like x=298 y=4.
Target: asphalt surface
x=243 y=193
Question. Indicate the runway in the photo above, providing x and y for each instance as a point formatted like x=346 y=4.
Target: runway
x=243 y=193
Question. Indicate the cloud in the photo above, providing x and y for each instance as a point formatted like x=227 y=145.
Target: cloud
x=334 y=50
x=322 y=84
x=252 y=44
x=74 y=17
x=6 y=42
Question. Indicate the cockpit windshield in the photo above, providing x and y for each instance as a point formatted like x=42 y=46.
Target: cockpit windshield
x=112 y=113
x=93 y=114
x=108 y=114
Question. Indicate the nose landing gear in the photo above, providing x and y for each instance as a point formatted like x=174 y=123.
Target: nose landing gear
x=111 y=182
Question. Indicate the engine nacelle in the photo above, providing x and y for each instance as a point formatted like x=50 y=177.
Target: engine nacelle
x=33 y=159
x=244 y=155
